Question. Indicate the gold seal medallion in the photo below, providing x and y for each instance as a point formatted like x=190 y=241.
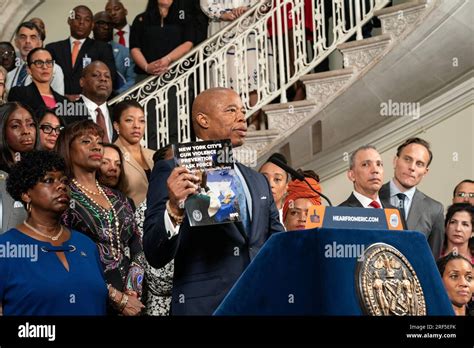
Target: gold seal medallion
x=387 y=283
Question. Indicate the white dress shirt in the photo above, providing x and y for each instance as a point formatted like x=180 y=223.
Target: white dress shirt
x=365 y=201
x=126 y=35
x=71 y=41
x=91 y=107
x=395 y=201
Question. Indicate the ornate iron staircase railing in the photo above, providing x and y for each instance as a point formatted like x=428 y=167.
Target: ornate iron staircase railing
x=208 y=65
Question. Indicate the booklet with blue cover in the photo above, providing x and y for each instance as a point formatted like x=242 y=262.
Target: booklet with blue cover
x=217 y=199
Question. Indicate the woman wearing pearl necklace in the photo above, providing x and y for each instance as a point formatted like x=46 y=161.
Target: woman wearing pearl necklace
x=49 y=269
x=105 y=215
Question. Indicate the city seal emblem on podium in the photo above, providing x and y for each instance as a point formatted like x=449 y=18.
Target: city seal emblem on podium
x=387 y=283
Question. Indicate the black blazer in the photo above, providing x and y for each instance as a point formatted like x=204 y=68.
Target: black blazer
x=31 y=96
x=95 y=50
x=352 y=201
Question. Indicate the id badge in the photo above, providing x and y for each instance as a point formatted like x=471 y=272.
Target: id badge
x=86 y=61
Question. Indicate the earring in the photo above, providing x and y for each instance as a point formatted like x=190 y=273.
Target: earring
x=28 y=207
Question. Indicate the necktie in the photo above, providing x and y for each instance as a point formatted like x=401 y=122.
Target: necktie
x=21 y=76
x=244 y=215
x=121 y=40
x=375 y=204
x=101 y=123
x=75 y=52
x=401 y=203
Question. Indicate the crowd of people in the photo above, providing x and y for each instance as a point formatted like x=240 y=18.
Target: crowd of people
x=79 y=186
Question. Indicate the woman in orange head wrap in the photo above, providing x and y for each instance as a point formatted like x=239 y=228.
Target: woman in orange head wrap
x=299 y=199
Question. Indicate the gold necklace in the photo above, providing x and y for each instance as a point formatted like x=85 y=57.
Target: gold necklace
x=55 y=238
x=110 y=220
x=85 y=189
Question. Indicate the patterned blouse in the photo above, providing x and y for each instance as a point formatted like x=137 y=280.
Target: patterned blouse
x=159 y=281
x=126 y=271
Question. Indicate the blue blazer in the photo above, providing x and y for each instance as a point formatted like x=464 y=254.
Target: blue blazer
x=125 y=67
x=208 y=259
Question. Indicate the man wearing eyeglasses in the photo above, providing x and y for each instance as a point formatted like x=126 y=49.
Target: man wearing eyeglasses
x=422 y=213
x=125 y=75
x=464 y=192
x=28 y=37
x=7 y=56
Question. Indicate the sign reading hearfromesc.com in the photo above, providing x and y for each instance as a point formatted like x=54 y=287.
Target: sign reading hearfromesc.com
x=353 y=218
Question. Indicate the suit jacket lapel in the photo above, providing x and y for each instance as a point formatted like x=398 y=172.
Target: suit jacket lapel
x=131 y=160
x=82 y=53
x=247 y=176
x=353 y=201
x=415 y=210
x=36 y=93
x=67 y=53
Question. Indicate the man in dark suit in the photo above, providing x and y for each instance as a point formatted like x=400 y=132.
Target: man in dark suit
x=366 y=172
x=96 y=86
x=209 y=259
x=422 y=213
x=78 y=51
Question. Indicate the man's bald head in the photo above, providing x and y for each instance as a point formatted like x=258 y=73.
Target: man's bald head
x=96 y=82
x=82 y=8
x=102 y=16
x=218 y=113
x=102 y=27
x=92 y=66
x=206 y=101
x=80 y=22
x=117 y=12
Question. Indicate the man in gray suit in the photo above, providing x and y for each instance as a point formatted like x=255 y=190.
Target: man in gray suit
x=11 y=213
x=422 y=213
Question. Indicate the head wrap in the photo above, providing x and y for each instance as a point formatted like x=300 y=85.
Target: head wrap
x=299 y=189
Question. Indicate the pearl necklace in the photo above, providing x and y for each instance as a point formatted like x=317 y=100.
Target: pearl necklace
x=110 y=219
x=85 y=189
x=55 y=238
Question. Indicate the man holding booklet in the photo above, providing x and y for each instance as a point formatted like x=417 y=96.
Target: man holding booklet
x=208 y=259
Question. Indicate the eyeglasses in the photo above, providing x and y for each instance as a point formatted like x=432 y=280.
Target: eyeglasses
x=47 y=129
x=465 y=194
x=40 y=63
x=8 y=54
x=108 y=24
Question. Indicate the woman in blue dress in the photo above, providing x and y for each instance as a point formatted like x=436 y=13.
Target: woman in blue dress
x=45 y=268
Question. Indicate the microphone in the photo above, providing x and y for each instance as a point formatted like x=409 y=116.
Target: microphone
x=297 y=175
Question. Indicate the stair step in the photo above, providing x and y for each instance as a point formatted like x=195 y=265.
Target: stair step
x=359 y=54
x=254 y=143
x=395 y=19
x=322 y=87
x=287 y=117
x=406 y=6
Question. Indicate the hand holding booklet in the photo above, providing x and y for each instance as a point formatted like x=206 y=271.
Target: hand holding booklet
x=217 y=200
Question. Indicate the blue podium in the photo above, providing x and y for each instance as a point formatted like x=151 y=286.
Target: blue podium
x=314 y=272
